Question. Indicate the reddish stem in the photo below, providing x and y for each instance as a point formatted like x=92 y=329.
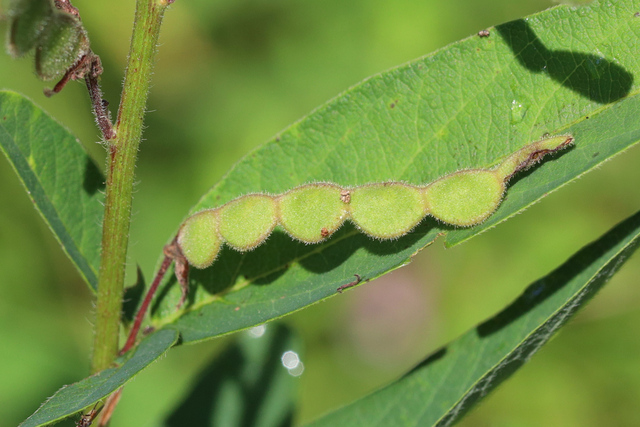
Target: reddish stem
x=131 y=339
x=109 y=407
x=99 y=110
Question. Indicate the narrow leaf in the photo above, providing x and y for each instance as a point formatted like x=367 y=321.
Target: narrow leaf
x=566 y=70
x=78 y=396
x=247 y=385
x=441 y=389
x=61 y=179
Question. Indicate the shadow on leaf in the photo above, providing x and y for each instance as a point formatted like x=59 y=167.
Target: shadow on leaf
x=541 y=290
x=94 y=181
x=591 y=76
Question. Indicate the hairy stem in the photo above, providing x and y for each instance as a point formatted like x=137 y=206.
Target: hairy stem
x=120 y=176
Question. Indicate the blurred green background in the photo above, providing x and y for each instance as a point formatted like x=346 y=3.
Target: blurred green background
x=230 y=74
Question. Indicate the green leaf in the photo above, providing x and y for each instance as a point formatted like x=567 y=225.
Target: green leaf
x=441 y=389
x=565 y=70
x=61 y=179
x=247 y=385
x=78 y=396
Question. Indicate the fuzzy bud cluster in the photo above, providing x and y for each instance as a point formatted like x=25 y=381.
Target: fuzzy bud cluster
x=58 y=37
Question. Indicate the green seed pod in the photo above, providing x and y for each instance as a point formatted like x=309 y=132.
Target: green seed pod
x=199 y=239
x=63 y=43
x=28 y=21
x=464 y=198
x=387 y=210
x=312 y=213
x=247 y=221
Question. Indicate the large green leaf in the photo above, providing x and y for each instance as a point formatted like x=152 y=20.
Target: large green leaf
x=437 y=392
x=61 y=179
x=247 y=385
x=78 y=396
x=441 y=389
x=565 y=70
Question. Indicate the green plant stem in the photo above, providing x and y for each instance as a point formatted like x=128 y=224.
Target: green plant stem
x=120 y=176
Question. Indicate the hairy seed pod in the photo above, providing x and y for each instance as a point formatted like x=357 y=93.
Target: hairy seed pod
x=387 y=210
x=199 y=238
x=311 y=213
x=464 y=198
x=63 y=43
x=29 y=18
x=248 y=221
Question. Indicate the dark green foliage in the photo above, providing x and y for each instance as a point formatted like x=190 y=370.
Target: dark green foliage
x=58 y=38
